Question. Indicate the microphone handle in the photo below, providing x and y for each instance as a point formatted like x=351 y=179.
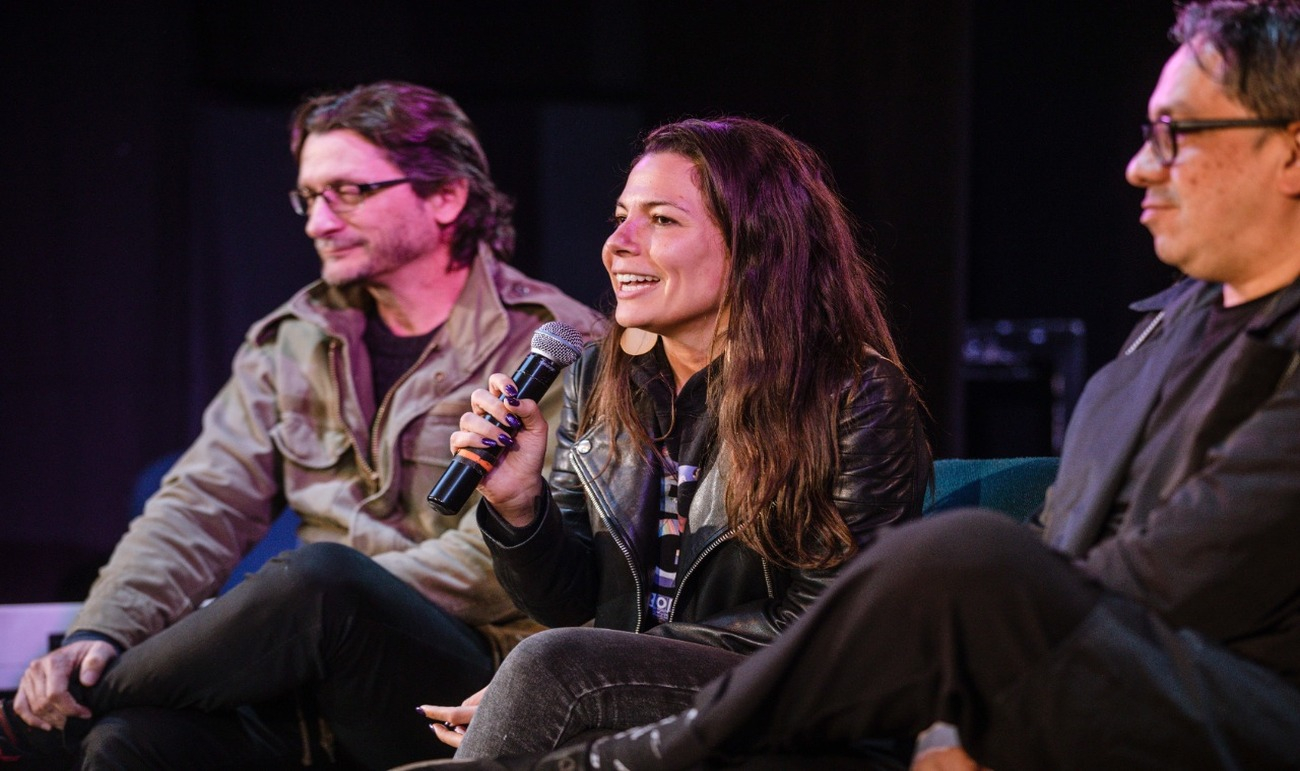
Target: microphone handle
x=469 y=465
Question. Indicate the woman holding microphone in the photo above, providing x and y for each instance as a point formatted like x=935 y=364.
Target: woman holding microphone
x=740 y=432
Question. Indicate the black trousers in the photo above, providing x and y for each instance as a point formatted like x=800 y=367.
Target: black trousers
x=967 y=618
x=322 y=654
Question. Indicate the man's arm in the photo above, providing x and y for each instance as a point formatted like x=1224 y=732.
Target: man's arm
x=214 y=504
x=43 y=700
x=1218 y=554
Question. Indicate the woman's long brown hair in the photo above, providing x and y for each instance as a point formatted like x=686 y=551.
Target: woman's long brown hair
x=802 y=316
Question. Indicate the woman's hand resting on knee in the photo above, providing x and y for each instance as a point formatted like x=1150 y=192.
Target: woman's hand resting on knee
x=450 y=723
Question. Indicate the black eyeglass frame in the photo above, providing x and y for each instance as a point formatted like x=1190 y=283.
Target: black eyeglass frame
x=1172 y=128
x=349 y=194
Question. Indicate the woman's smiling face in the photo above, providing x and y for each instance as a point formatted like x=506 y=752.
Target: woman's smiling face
x=667 y=257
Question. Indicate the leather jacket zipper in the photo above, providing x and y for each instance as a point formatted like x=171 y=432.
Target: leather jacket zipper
x=726 y=535
x=611 y=526
x=717 y=541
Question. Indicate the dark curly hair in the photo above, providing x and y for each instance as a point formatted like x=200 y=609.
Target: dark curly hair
x=428 y=137
x=1259 y=41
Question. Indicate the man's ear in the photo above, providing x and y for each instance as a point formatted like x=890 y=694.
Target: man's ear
x=448 y=201
x=1290 y=179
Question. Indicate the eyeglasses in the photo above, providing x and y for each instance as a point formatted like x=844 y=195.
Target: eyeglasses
x=1163 y=132
x=342 y=197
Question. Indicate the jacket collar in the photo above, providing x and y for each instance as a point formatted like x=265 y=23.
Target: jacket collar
x=475 y=327
x=1164 y=298
x=477 y=324
x=1279 y=323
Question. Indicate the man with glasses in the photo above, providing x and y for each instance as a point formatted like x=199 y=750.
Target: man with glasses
x=341 y=404
x=1160 y=625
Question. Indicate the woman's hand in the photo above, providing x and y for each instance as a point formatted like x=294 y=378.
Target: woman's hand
x=516 y=482
x=450 y=723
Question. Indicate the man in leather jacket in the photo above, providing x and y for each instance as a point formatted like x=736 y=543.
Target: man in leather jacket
x=1159 y=627
x=340 y=405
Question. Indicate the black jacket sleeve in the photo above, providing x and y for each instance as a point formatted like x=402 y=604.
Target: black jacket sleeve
x=550 y=570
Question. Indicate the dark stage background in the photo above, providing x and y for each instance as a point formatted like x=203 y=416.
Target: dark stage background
x=980 y=142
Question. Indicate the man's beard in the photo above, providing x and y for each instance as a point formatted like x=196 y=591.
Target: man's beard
x=376 y=259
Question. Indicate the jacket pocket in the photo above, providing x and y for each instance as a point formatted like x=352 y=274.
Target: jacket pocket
x=308 y=445
x=428 y=440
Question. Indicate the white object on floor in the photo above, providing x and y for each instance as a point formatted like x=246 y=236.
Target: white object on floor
x=25 y=633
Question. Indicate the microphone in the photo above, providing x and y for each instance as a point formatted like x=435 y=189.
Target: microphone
x=555 y=346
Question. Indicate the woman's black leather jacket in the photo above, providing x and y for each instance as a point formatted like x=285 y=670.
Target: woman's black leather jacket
x=590 y=552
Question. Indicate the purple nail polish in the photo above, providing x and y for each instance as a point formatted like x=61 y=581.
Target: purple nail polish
x=512 y=401
x=513 y=421
x=512 y=391
x=506 y=440
x=489 y=443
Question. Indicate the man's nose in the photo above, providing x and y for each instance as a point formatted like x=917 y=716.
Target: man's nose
x=321 y=219
x=1144 y=168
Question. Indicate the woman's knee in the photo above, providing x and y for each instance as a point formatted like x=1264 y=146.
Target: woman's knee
x=567 y=664
x=562 y=682
x=585 y=667
x=526 y=705
x=547 y=653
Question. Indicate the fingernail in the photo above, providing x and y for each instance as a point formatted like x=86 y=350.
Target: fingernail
x=506 y=440
x=512 y=420
x=512 y=391
x=512 y=401
x=420 y=711
x=489 y=443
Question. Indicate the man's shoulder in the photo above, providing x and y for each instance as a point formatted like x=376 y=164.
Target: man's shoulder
x=1279 y=322
x=318 y=307
x=519 y=290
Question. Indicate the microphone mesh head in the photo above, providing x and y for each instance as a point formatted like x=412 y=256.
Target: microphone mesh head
x=558 y=342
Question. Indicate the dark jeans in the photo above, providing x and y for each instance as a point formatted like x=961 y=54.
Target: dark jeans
x=319 y=632
x=563 y=683
x=967 y=618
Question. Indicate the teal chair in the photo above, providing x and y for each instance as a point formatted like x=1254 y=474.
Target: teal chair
x=1014 y=486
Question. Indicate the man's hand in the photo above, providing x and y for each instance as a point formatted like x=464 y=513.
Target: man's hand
x=43 y=700
x=945 y=759
x=450 y=723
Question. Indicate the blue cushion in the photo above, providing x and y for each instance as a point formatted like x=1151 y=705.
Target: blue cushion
x=1014 y=486
x=282 y=535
